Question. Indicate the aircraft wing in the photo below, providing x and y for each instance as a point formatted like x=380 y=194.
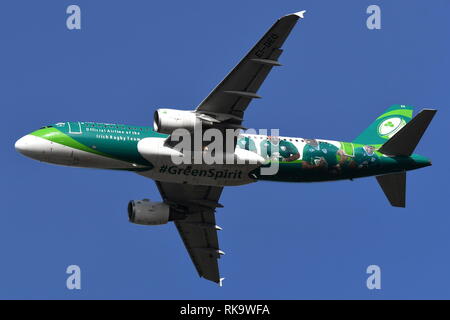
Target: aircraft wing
x=228 y=101
x=198 y=230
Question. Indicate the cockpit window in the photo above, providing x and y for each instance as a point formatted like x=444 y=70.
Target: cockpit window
x=46 y=127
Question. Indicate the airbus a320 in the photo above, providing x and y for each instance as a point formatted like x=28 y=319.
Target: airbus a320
x=190 y=192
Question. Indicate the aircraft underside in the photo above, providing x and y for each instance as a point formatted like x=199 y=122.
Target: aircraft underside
x=296 y=160
x=190 y=189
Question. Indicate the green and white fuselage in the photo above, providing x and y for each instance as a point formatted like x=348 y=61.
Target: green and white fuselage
x=141 y=149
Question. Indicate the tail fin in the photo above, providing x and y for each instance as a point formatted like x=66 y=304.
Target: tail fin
x=394 y=187
x=386 y=125
x=403 y=143
x=406 y=140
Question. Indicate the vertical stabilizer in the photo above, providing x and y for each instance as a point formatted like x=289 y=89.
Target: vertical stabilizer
x=386 y=125
x=406 y=140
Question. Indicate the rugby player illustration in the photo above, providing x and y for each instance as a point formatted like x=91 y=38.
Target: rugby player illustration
x=277 y=149
x=319 y=154
x=246 y=143
x=366 y=157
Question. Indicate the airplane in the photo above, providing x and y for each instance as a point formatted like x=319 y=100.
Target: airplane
x=190 y=191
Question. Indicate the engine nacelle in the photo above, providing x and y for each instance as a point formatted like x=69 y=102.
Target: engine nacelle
x=148 y=213
x=167 y=120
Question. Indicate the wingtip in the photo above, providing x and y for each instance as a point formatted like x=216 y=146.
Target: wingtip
x=300 y=14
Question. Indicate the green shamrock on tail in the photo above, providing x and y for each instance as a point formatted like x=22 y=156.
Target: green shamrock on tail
x=389 y=124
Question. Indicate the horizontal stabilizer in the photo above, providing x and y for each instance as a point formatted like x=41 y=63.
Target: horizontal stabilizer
x=405 y=141
x=394 y=187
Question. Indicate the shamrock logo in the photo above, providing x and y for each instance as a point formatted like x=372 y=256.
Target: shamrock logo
x=390 y=125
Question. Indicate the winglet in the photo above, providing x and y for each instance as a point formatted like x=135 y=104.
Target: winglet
x=300 y=14
x=221 y=282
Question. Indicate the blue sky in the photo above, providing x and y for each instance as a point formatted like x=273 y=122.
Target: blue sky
x=283 y=241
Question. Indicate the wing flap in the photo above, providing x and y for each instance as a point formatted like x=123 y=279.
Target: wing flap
x=198 y=230
x=250 y=72
x=201 y=243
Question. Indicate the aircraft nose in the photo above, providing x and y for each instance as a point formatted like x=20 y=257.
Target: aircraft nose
x=32 y=146
x=21 y=144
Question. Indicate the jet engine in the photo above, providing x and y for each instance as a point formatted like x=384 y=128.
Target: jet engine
x=167 y=120
x=150 y=213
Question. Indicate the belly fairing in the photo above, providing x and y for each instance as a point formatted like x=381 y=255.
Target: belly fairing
x=170 y=167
